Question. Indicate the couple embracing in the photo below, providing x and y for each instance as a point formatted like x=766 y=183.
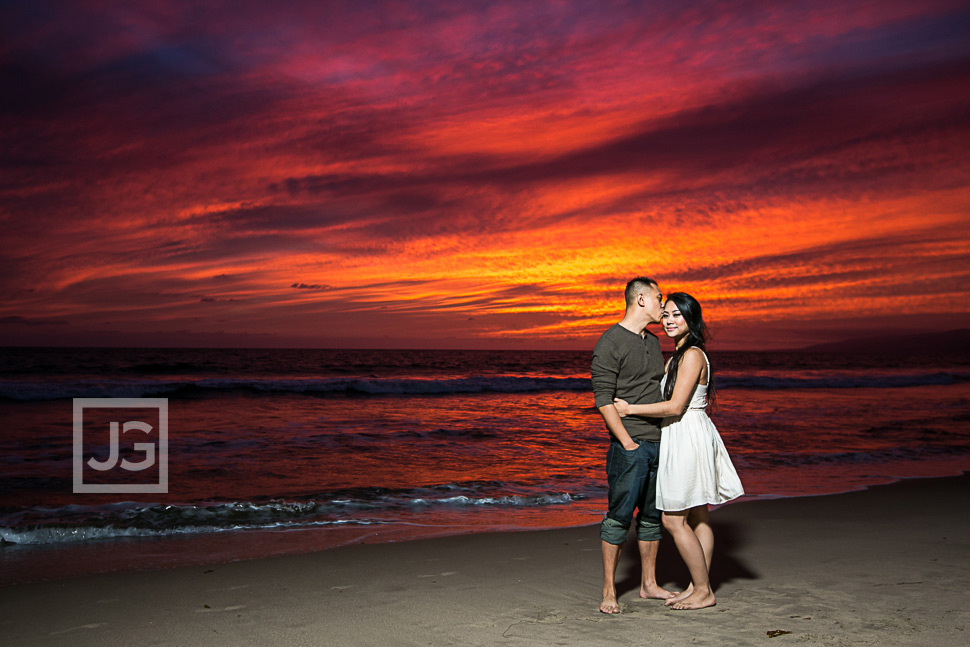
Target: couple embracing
x=666 y=460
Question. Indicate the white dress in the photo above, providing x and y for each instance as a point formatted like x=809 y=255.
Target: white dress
x=694 y=467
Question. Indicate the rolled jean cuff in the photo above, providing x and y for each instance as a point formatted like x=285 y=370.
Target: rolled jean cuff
x=613 y=532
x=649 y=530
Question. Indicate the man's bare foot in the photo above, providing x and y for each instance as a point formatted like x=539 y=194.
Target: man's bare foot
x=609 y=604
x=655 y=592
x=677 y=597
x=697 y=601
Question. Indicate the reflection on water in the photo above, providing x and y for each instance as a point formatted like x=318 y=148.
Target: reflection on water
x=291 y=470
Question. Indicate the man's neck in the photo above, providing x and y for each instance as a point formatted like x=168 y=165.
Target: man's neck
x=633 y=325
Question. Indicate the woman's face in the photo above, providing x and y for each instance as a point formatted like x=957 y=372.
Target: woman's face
x=673 y=322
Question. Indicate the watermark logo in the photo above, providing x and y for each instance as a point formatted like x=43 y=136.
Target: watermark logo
x=105 y=434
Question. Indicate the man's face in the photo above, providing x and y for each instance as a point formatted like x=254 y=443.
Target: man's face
x=652 y=303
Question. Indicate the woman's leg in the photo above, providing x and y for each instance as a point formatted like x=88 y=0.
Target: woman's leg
x=700 y=521
x=692 y=552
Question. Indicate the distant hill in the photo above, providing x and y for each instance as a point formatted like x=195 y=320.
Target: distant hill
x=952 y=341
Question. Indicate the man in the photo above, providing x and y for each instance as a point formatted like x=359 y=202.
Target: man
x=627 y=364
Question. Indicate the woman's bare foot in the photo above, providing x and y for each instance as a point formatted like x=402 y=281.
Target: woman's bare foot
x=609 y=604
x=655 y=592
x=677 y=597
x=698 y=600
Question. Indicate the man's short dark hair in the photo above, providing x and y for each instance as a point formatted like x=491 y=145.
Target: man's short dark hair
x=635 y=286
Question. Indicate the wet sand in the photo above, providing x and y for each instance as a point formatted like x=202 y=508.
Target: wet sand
x=887 y=566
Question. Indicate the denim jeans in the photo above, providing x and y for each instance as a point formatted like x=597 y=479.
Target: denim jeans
x=632 y=478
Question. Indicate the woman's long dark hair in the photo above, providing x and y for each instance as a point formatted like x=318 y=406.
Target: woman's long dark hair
x=697 y=336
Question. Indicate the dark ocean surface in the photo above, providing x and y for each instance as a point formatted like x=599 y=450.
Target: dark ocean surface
x=282 y=451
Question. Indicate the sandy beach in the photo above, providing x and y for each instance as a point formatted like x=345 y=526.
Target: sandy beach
x=887 y=566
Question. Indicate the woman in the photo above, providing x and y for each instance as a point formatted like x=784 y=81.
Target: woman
x=695 y=469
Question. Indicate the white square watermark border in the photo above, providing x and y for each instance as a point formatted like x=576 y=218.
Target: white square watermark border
x=80 y=404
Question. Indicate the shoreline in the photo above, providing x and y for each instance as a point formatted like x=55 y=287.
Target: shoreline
x=889 y=565
x=31 y=563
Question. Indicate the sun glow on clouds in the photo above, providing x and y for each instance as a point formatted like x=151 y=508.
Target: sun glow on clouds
x=468 y=176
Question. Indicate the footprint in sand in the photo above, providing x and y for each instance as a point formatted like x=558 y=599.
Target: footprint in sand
x=209 y=609
x=93 y=625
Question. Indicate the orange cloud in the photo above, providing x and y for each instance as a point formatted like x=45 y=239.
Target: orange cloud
x=479 y=176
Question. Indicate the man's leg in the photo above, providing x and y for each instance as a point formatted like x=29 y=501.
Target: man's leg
x=624 y=476
x=648 y=525
x=611 y=557
x=649 y=588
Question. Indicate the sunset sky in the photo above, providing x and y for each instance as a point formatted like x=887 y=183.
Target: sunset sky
x=478 y=174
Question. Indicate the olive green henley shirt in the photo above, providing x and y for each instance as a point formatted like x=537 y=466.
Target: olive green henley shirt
x=628 y=366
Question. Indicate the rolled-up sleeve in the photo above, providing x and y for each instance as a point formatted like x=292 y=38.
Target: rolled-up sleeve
x=604 y=371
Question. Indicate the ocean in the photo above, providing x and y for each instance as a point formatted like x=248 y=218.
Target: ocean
x=283 y=451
